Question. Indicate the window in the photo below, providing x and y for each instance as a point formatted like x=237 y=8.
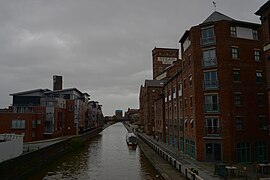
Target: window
x=210 y=80
x=233 y=31
x=34 y=124
x=191 y=101
x=235 y=54
x=191 y=122
x=238 y=99
x=212 y=126
x=239 y=123
x=18 y=124
x=189 y=60
x=236 y=75
x=209 y=58
x=184 y=64
x=211 y=103
x=259 y=77
x=257 y=55
x=255 y=34
x=190 y=81
x=262 y=123
x=208 y=36
x=33 y=134
x=185 y=102
x=260 y=100
x=180 y=89
x=185 y=85
x=244 y=152
x=261 y=151
x=174 y=92
x=166 y=97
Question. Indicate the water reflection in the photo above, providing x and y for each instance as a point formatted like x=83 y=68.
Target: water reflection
x=107 y=156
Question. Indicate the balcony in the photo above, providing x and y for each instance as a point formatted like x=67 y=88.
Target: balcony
x=212 y=131
x=209 y=62
x=211 y=85
x=207 y=41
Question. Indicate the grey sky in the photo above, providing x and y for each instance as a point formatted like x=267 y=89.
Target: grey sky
x=102 y=47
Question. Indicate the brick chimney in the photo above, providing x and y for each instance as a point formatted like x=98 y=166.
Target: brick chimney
x=57 y=82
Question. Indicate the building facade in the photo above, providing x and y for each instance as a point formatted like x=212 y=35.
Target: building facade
x=41 y=113
x=224 y=95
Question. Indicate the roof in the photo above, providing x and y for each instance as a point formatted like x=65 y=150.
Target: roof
x=263 y=8
x=154 y=83
x=30 y=91
x=65 y=90
x=217 y=16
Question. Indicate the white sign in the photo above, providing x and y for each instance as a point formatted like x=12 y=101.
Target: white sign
x=167 y=60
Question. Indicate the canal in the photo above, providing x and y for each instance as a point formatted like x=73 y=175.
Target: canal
x=106 y=156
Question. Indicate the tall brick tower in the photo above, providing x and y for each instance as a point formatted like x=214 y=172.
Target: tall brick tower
x=57 y=82
x=162 y=58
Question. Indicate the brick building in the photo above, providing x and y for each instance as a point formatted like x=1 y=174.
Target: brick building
x=148 y=94
x=264 y=13
x=214 y=106
x=41 y=113
x=225 y=104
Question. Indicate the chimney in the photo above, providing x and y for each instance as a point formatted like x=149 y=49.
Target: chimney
x=57 y=82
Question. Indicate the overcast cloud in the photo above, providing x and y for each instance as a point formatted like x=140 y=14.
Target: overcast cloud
x=102 y=47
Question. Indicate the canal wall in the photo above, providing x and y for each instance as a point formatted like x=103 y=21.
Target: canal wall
x=22 y=166
x=175 y=168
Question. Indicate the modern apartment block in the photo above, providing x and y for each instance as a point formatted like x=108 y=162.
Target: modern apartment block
x=41 y=113
x=225 y=107
x=214 y=107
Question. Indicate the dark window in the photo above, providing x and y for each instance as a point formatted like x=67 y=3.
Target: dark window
x=236 y=75
x=235 y=54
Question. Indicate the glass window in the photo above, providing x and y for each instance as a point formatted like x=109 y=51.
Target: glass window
x=212 y=125
x=211 y=103
x=209 y=58
x=262 y=123
x=238 y=99
x=180 y=89
x=235 y=54
x=191 y=101
x=210 y=80
x=244 y=152
x=255 y=34
x=259 y=77
x=233 y=31
x=190 y=81
x=208 y=36
x=257 y=55
x=18 y=124
x=261 y=151
x=239 y=123
x=260 y=99
x=236 y=75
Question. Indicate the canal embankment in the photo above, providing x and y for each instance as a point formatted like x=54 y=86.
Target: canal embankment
x=42 y=153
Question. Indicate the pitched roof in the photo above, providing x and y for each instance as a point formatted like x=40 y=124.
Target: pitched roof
x=217 y=16
x=30 y=91
x=263 y=8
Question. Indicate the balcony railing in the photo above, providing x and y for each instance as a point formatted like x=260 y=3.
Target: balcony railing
x=208 y=41
x=209 y=62
x=212 y=131
x=209 y=85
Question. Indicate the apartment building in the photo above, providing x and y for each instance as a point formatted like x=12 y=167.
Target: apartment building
x=264 y=13
x=41 y=113
x=225 y=107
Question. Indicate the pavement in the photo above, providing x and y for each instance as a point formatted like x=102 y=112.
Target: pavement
x=206 y=170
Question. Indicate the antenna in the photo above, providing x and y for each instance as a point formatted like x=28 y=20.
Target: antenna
x=215 y=6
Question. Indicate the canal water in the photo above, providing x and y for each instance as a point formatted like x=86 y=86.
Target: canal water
x=105 y=157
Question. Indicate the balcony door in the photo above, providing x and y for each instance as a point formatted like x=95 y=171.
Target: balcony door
x=213 y=152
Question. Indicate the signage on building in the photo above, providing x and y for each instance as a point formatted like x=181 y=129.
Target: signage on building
x=167 y=60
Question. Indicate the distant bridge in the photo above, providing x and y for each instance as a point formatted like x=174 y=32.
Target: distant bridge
x=116 y=119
